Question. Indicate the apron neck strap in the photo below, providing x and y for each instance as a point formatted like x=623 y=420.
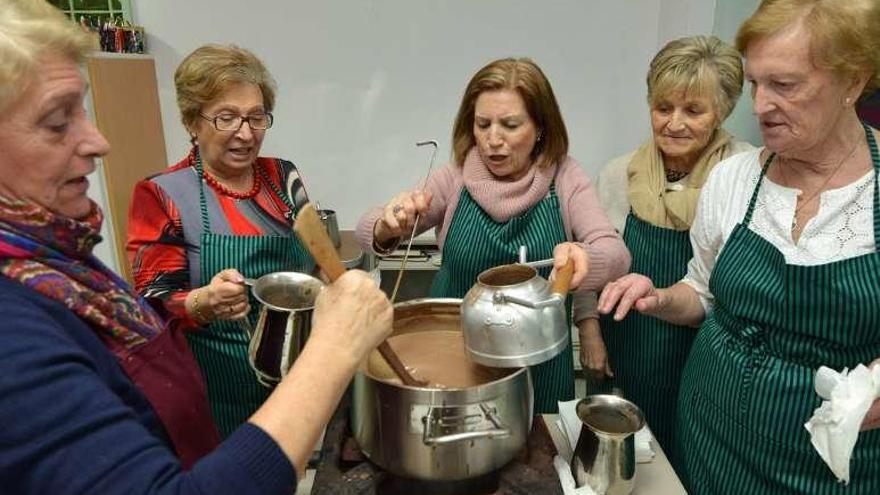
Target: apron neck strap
x=875 y=159
x=748 y=216
x=196 y=159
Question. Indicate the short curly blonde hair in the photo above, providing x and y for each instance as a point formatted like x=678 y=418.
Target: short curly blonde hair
x=703 y=65
x=210 y=70
x=29 y=31
x=844 y=34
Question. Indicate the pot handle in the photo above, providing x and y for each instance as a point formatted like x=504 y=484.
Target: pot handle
x=429 y=421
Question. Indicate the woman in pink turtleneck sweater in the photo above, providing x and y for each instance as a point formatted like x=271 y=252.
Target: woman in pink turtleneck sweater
x=511 y=184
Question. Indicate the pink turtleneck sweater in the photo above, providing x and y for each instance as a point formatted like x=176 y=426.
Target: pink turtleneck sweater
x=584 y=218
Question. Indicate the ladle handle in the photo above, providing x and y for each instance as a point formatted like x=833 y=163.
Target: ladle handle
x=562 y=280
x=314 y=236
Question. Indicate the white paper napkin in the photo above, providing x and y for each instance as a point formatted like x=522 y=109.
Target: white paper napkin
x=834 y=427
x=571 y=427
x=569 y=487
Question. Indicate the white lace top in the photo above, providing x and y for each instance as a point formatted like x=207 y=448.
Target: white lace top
x=843 y=227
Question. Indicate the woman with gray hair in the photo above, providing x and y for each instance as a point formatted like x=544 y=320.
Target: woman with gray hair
x=99 y=394
x=222 y=213
x=785 y=276
x=650 y=195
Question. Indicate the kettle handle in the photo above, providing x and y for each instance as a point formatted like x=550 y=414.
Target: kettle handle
x=562 y=280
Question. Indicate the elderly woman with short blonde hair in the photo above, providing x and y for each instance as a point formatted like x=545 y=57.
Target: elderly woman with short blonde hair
x=651 y=195
x=785 y=274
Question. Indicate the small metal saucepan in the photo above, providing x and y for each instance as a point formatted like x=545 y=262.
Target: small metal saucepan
x=284 y=322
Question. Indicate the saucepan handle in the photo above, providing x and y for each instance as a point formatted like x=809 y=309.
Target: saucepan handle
x=433 y=419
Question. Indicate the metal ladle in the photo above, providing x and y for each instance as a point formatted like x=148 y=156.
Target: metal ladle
x=416 y=223
x=534 y=264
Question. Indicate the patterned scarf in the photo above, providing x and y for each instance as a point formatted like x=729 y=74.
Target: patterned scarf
x=53 y=255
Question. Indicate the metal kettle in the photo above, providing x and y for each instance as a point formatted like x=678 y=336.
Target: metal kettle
x=513 y=318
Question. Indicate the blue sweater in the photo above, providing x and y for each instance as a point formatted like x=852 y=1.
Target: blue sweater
x=72 y=422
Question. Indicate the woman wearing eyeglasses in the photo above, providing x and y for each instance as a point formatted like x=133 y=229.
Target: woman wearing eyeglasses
x=221 y=214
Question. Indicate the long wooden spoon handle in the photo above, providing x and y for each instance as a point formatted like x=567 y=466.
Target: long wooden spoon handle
x=388 y=353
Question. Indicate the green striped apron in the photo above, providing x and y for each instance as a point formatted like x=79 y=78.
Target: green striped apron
x=648 y=354
x=475 y=243
x=747 y=389
x=221 y=348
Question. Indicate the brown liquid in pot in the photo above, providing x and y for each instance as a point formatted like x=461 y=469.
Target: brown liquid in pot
x=439 y=357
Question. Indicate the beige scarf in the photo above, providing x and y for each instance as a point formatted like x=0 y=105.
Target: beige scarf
x=649 y=197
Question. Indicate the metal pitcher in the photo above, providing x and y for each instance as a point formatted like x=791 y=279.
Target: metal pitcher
x=604 y=457
x=512 y=317
x=283 y=324
x=328 y=218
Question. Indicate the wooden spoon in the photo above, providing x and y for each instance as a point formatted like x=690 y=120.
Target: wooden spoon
x=310 y=230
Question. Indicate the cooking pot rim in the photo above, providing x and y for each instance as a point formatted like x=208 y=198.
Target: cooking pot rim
x=439 y=302
x=486 y=385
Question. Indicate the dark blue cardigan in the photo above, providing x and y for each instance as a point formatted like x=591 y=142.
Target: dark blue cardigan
x=72 y=422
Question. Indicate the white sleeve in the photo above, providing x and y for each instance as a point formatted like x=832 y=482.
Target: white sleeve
x=706 y=239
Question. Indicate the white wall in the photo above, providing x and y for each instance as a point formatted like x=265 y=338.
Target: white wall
x=361 y=81
x=678 y=18
x=729 y=14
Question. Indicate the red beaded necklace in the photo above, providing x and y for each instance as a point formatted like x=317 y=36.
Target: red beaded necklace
x=222 y=189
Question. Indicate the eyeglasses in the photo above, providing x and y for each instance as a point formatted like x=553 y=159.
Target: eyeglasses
x=232 y=122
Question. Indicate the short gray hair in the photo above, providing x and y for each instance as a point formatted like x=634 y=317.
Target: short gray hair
x=701 y=64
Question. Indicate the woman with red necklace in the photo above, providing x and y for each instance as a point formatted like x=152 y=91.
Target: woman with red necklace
x=219 y=215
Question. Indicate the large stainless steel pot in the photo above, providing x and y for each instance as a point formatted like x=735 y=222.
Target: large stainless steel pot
x=284 y=322
x=440 y=434
x=512 y=317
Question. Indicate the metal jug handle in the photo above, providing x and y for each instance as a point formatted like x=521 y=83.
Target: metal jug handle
x=245 y=324
x=263 y=378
